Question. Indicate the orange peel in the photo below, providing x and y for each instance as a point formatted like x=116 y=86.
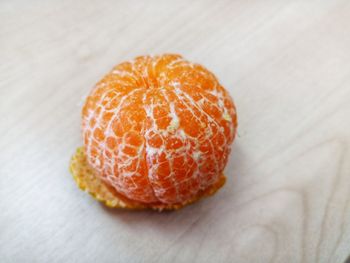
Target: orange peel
x=87 y=181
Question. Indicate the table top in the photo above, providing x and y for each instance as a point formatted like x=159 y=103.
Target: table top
x=285 y=63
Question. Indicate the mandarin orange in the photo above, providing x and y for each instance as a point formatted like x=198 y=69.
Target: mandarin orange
x=157 y=134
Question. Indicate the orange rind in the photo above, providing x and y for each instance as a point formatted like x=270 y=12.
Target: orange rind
x=87 y=181
x=157 y=134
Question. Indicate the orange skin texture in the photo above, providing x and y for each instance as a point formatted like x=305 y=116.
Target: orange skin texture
x=158 y=129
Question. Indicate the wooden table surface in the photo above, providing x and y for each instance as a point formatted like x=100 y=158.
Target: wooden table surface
x=287 y=66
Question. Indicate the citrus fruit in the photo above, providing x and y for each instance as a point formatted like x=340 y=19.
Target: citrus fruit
x=157 y=133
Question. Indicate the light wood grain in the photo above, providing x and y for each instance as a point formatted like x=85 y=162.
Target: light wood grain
x=287 y=65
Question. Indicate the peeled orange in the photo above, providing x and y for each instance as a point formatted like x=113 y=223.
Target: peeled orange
x=157 y=134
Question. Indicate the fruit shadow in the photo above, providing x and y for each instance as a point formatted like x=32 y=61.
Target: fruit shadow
x=191 y=216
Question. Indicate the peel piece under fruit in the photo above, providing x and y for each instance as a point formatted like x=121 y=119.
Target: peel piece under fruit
x=87 y=180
